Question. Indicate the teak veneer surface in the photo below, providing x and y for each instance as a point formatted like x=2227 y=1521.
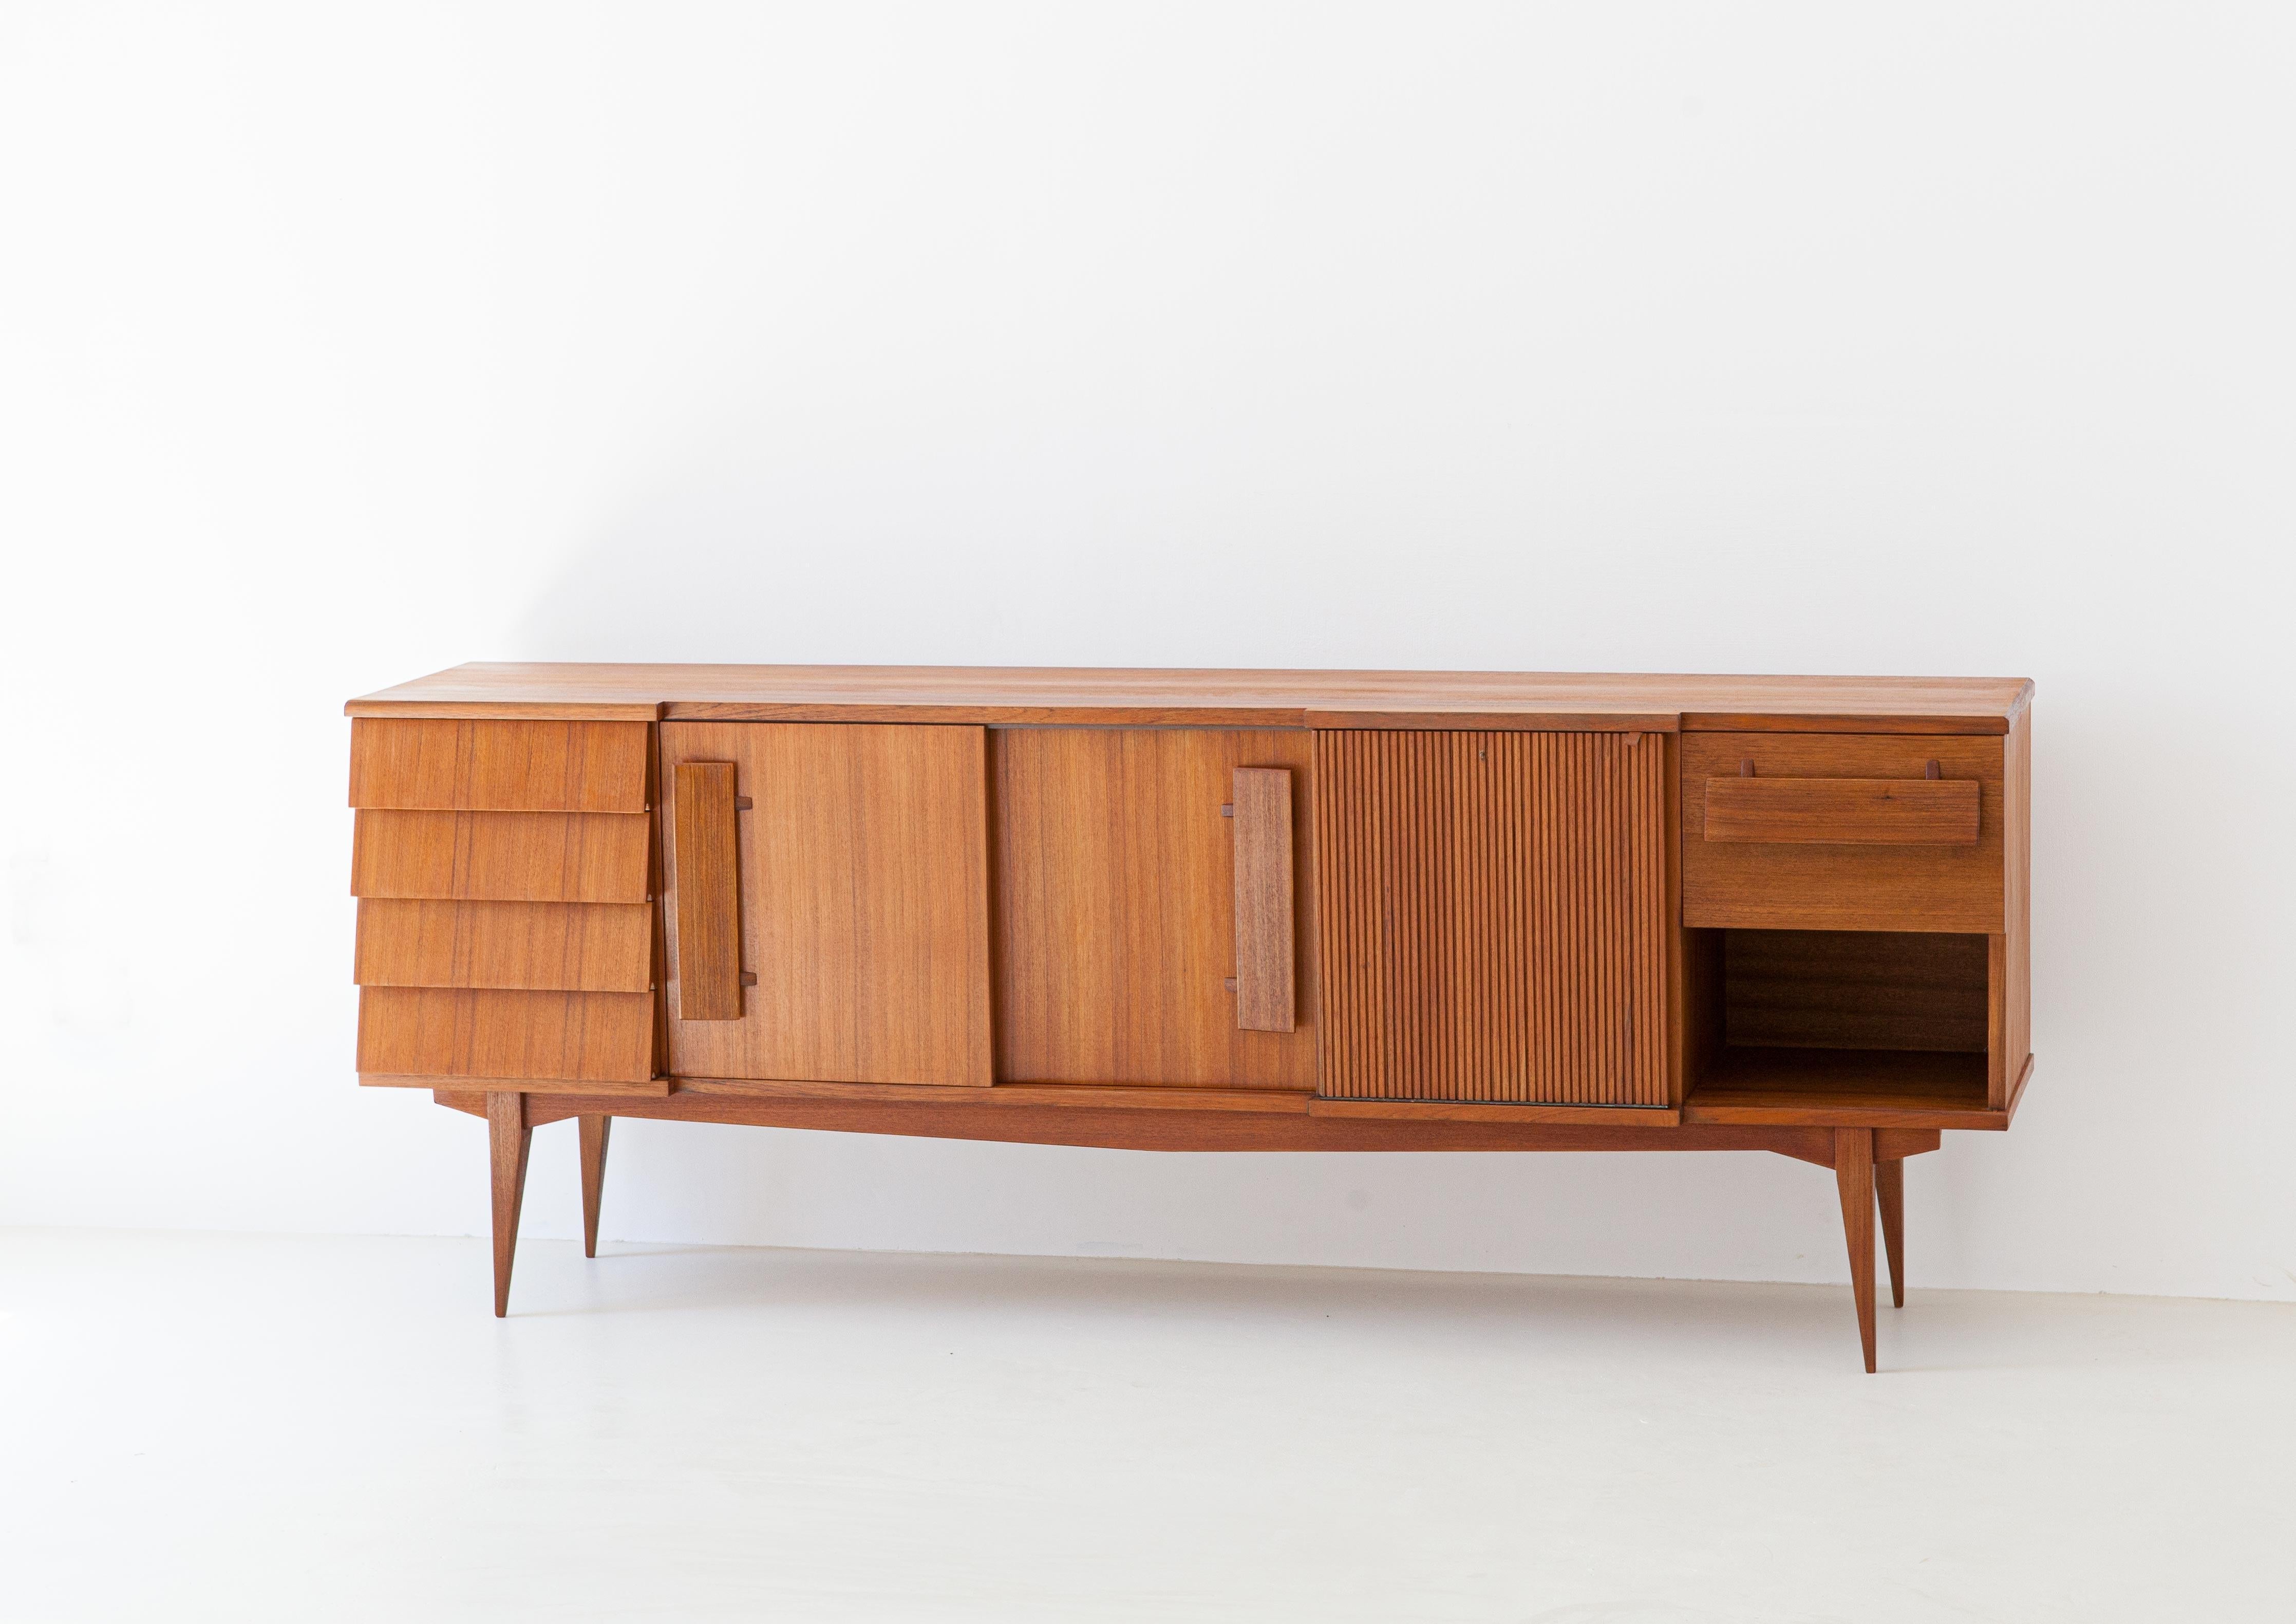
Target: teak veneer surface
x=501 y=856
x=1798 y=885
x=1844 y=1088
x=486 y=1032
x=1116 y=905
x=1021 y=695
x=863 y=862
x=414 y=765
x=564 y=947
x=1855 y=989
x=1495 y=925
x=966 y=1114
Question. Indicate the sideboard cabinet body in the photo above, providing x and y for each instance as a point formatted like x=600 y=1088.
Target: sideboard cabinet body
x=1250 y=910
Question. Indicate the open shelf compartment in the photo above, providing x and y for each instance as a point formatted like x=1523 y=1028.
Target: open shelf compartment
x=1839 y=1027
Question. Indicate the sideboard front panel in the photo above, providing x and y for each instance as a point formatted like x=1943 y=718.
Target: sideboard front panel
x=861 y=859
x=502 y=869
x=1855 y=856
x=1494 y=916
x=1118 y=926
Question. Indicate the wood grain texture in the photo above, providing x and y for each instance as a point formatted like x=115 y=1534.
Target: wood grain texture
x=595 y=1036
x=1012 y=1095
x=498 y=766
x=1841 y=811
x=1116 y=893
x=2012 y=1048
x=1468 y=1110
x=864 y=909
x=535 y=946
x=1497 y=928
x=1890 y=1194
x=1075 y=697
x=1855 y=989
x=592 y=1136
x=1853 y=1173
x=1842 y=886
x=1844 y=1088
x=1267 y=945
x=500 y=857
x=708 y=889
x=652 y=1087
x=509 y=1138
x=969 y=1113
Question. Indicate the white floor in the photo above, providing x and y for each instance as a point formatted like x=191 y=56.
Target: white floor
x=201 y=1426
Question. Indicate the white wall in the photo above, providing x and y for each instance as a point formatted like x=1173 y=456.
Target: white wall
x=338 y=345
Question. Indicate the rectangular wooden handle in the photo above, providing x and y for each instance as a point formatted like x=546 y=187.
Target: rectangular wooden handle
x=708 y=893
x=1843 y=811
x=1264 y=953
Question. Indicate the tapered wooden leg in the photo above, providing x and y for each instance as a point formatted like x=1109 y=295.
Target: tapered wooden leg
x=1890 y=1185
x=594 y=1133
x=507 y=1138
x=1853 y=1171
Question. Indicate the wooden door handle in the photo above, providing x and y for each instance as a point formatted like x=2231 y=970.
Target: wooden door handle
x=1843 y=811
x=709 y=978
x=1264 y=953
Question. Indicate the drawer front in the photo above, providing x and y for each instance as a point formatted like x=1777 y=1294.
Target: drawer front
x=514 y=1036
x=505 y=930
x=417 y=764
x=1841 y=832
x=500 y=857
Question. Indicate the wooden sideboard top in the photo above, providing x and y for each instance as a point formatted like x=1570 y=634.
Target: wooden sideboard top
x=1020 y=695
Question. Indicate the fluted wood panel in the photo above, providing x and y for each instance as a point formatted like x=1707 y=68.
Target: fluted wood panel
x=1493 y=916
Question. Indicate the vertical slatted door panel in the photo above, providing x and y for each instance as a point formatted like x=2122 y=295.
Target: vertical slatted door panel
x=505 y=930
x=1494 y=919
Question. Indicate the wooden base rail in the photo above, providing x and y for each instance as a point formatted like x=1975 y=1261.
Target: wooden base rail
x=1295 y=911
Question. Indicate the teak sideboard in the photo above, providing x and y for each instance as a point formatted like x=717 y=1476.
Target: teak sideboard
x=1203 y=910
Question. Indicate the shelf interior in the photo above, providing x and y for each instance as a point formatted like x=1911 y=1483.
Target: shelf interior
x=1839 y=1020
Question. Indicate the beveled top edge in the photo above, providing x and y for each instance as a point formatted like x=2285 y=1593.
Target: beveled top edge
x=1024 y=695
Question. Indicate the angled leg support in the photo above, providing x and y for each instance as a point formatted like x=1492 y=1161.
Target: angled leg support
x=594 y=1133
x=508 y=1136
x=1890 y=1185
x=1853 y=1172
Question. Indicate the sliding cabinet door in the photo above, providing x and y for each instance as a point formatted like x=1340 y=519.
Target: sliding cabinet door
x=828 y=902
x=1494 y=916
x=1155 y=914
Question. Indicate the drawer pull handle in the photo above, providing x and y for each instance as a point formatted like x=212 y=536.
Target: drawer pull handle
x=1930 y=811
x=709 y=978
x=1265 y=949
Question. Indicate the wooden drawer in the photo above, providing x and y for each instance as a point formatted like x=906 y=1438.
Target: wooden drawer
x=501 y=856
x=1842 y=832
x=486 y=1033
x=535 y=947
x=498 y=767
